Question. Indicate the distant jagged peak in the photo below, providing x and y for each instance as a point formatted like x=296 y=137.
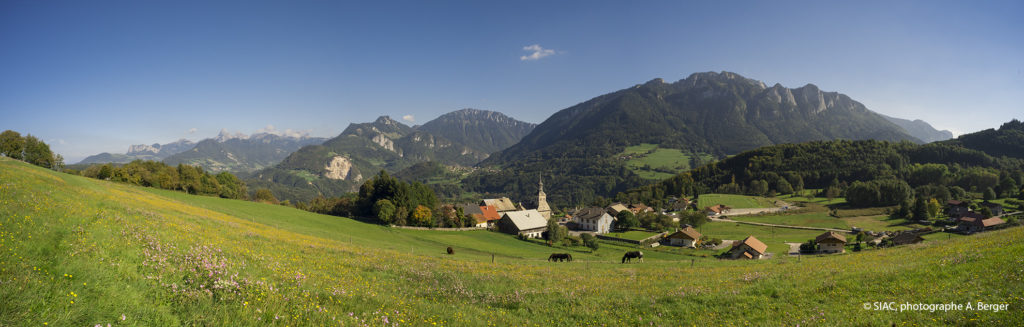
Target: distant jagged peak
x=386 y=120
x=265 y=132
x=723 y=76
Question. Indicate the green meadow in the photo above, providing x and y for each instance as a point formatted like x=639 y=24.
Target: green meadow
x=82 y=252
x=733 y=201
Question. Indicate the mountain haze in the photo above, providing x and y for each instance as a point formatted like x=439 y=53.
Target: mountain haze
x=240 y=153
x=154 y=152
x=920 y=129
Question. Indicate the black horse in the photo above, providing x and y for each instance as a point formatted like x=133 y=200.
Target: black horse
x=450 y=250
x=560 y=257
x=633 y=254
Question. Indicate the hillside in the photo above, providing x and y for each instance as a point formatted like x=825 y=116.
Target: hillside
x=78 y=251
x=920 y=129
x=241 y=153
x=822 y=164
x=1008 y=140
x=155 y=152
x=341 y=163
x=711 y=113
x=483 y=130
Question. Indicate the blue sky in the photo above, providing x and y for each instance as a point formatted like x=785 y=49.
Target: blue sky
x=97 y=76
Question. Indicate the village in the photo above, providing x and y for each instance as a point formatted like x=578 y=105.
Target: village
x=962 y=217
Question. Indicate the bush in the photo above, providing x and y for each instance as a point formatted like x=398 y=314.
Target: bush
x=590 y=241
x=809 y=247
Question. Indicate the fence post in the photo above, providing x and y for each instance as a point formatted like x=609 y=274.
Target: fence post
x=492 y=257
x=691 y=263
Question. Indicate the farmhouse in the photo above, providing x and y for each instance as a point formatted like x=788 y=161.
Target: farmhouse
x=502 y=204
x=748 y=248
x=957 y=209
x=687 y=237
x=490 y=215
x=995 y=208
x=973 y=223
x=831 y=242
x=524 y=222
x=717 y=210
x=594 y=219
x=639 y=207
x=615 y=208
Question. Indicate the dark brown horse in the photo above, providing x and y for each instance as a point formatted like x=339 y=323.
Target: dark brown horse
x=559 y=257
x=633 y=255
x=450 y=250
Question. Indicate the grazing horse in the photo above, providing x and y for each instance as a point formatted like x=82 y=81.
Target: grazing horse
x=560 y=257
x=633 y=254
x=450 y=250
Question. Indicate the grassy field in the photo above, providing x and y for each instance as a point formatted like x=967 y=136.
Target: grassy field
x=815 y=219
x=648 y=157
x=633 y=235
x=807 y=196
x=734 y=201
x=75 y=251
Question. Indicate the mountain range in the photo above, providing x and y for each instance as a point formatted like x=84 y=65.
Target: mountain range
x=920 y=129
x=241 y=153
x=576 y=149
x=154 y=152
x=341 y=164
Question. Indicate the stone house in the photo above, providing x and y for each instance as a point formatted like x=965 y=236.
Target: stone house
x=831 y=242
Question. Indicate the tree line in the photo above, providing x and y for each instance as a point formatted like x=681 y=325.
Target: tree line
x=184 y=178
x=29 y=149
x=867 y=173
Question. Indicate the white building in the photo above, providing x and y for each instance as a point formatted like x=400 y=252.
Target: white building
x=594 y=219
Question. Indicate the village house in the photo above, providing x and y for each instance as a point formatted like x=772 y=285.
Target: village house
x=995 y=208
x=973 y=222
x=594 y=219
x=639 y=208
x=716 y=210
x=502 y=204
x=831 y=242
x=748 y=248
x=490 y=215
x=529 y=223
x=473 y=211
x=615 y=208
x=687 y=237
x=956 y=208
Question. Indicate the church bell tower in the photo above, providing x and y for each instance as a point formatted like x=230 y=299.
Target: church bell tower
x=542 y=201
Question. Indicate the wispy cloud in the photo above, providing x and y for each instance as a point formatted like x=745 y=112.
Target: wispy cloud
x=192 y=130
x=537 y=52
x=409 y=118
x=270 y=129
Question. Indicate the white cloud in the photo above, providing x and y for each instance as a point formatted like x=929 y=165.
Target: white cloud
x=270 y=129
x=538 y=52
x=409 y=118
x=192 y=130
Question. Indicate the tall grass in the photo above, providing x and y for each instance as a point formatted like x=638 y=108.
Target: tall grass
x=79 y=252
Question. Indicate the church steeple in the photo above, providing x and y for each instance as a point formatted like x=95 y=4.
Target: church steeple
x=542 y=200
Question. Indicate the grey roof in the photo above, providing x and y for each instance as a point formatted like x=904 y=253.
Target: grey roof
x=471 y=209
x=592 y=213
x=526 y=219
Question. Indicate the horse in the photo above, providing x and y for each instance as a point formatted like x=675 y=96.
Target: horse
x=633 y=254
x=450 y=250
x=558 y=257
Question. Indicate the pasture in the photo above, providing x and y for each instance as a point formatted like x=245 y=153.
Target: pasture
x=733 y=200
x=75 y=251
